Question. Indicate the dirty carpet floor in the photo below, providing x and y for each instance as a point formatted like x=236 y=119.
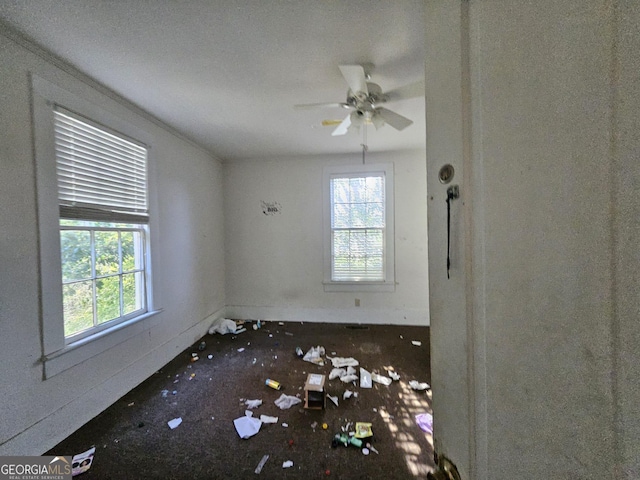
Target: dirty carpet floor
x=133 y=441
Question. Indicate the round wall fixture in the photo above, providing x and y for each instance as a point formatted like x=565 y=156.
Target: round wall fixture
x=445 y=175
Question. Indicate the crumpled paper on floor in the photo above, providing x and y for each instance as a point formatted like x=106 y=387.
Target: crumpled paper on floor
x=381 y=379
x=314 y=355
x=339 y=362
x=253 y=403
x=337 y=373
x=287 y=401
x=223 y=326
x=247 y=426
x=425 y=422
x=419 y=385
x=348 y=378
x=268 y=419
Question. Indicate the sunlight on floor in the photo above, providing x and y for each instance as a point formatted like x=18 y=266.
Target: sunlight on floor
x=404 y=429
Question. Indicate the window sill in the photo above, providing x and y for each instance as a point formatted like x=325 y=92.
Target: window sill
x=359 y=286
x=87 y=347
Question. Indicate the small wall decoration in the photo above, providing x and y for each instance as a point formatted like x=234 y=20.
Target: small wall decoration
x=271 y=208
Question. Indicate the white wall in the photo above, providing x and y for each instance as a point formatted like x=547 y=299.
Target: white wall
x=274 y=262
x=549 y=231
x=187 y=253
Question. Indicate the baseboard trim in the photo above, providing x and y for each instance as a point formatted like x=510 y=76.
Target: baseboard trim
x=377 y=316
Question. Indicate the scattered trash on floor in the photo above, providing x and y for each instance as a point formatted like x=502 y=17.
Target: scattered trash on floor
x=131 y=404
x=289 y=334
x=241 y=350
x=261 y=464
x=394 y=376
x=339 y=362
x=363 y=430
x=248 y=413
x=174 y=423
x=210 y=356
x=347 y=394
x=314 y=355
x=365 y=451
x=381 y=379
x=247 y=426
x=425 y=422
x=164 y=393
x=273 y=384
x=349 y=378
x=286 y=401
x=333 y=399
x=416 y=343
x=82 y=462
x=337 y=373
x=372 y=448
x=287 y=464
x=223 y=326
x=365 y=379
x=299 y=352
x=254 y=361
x=194 y=357
x=419 y=385
x=325 y=426
x=268 y=419
x=257 y=325
x=281 y=323
x=314 y=425
x=202 y=346
x=253 y=403
x=285 y=425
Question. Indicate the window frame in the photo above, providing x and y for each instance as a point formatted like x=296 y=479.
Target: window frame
x=388 y=283
x=59 y=352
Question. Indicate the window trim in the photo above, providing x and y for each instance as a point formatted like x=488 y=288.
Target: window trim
x=100 y=109
x=388 y=284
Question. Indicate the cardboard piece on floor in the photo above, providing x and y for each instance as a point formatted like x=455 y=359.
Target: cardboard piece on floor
x=314 y=398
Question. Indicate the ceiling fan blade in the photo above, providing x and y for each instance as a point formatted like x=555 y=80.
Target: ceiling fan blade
x=392 y=118
x=354 y=75
x=305 y=106
x=343 y=127
x=413 y=90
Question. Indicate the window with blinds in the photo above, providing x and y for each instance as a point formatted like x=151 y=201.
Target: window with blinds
x=101 y=175
x=358 y=223
x=102 y=194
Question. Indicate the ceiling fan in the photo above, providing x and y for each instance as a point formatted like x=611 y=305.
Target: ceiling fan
x=364 y=99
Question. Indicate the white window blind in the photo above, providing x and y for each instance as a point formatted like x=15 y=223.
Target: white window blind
x=101 y=175
x=358 y=227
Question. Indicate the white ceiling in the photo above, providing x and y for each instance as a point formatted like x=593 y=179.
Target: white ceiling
x=227 y=73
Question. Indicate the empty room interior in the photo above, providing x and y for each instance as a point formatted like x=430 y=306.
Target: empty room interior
x=415 y=221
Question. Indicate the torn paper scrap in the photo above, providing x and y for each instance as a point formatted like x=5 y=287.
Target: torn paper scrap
x=241 y=350
x=286 y=401
x=417 y=343
x=253 y=403
x=394 y=376
x=425 y=422
x=333 y=399
x=351 y=370
x=347 y=394
x=247 y=426
x=248 y=413
x=340 y=362
x=82 y=462
x=419 y=385
x=348 y=378
x=381 y=379
x=337 y=373
x=314 y=355
x=365 y=379
x=287 y=464
x=268 y=419
x=174 y=423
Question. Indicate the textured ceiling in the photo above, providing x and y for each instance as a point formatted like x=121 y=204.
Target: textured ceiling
x=227 y=73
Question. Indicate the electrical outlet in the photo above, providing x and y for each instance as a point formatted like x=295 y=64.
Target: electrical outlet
x=357 y=302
